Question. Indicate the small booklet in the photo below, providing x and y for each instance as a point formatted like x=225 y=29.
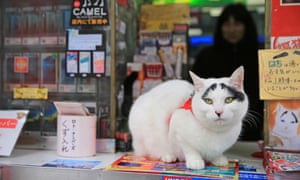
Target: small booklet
x=72 y=163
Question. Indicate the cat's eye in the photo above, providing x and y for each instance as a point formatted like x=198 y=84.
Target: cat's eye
x=229 y=100
x=208 y=101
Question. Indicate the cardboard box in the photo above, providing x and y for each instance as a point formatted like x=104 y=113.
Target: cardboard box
x=76 y=132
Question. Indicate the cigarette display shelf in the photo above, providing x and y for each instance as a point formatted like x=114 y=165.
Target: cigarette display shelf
x=36 y=32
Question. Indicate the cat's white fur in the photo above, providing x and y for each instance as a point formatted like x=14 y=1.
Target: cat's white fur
x=161 y=129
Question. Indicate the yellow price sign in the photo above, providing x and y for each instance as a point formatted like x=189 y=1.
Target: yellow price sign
x=30 y=93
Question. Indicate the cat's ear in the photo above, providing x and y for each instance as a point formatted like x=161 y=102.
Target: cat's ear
x=197 y=81
x=237 y=78
x=279 y=107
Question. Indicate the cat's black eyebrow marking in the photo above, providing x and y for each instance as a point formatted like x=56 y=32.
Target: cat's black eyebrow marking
x=284 y=113
x=294 y=115
x=237 y=94
x=212 y=87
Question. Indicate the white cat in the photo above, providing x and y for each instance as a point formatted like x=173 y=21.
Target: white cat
x=209 y=124
x=285 y=132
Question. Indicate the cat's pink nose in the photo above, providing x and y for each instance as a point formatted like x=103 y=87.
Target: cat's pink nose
x=219 y=113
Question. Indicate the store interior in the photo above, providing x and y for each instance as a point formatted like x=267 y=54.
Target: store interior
x=49 y=21
x=39 y=34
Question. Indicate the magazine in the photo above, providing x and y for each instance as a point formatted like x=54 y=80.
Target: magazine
x=68 y=163
x=251 y=170
x=283 y=161
x=133 y=163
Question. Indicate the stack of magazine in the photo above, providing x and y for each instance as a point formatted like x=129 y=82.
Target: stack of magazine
x=282 y=164
x=139 y=164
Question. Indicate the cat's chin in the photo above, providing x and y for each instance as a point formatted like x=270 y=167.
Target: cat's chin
x=223 y=122
x=220 y=121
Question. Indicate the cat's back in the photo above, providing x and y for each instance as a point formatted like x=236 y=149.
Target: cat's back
x=158 y=103
x=169 y=92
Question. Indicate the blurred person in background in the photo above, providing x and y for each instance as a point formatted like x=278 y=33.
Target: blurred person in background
x=235 y=44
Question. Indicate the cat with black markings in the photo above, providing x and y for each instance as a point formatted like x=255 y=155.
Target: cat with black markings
x=197 y=122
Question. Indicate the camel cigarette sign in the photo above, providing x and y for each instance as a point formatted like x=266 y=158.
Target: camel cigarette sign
x=89 y=12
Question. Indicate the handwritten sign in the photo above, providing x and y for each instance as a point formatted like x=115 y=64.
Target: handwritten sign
x=279 y=72
x=69 y=135
x=11 y=124
x=76 y=135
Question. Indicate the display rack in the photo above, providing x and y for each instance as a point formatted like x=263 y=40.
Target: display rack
x=37 y=30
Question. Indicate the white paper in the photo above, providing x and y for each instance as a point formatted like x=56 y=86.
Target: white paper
x=11 y=124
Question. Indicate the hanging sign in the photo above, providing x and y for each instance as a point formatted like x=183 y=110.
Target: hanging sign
x=89 y=12
x=279 y=72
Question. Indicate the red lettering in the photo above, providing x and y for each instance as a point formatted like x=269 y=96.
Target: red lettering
x=8 y=123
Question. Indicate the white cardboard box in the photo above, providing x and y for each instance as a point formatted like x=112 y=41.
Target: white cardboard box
x=76 y=134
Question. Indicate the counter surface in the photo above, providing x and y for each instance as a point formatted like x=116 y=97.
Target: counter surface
x=26 y=164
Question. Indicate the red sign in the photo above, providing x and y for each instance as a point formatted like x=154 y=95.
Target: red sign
x=21 y=64
x=285 y=18
x=8 y=123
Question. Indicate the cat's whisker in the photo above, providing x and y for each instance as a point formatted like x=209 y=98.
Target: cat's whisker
x=252 y=119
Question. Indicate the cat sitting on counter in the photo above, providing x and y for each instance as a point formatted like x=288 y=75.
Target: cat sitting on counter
x=180 y=121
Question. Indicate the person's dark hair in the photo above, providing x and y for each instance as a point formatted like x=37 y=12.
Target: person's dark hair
x=240 y=13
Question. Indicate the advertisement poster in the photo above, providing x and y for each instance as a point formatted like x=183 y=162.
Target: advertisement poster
x=284 y=126
x=49 y=73
x=21 y=64
x=89 y=12
x=285 y=24
x=12 y=79
x=84 y=63
x=89 y=40
x=32 y=78
x=71 y=63
x=98 y=63
x=66 y=84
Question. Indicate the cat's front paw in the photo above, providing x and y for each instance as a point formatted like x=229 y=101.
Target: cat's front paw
x=168 y=158
x=220 y=161
x=195 y=164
